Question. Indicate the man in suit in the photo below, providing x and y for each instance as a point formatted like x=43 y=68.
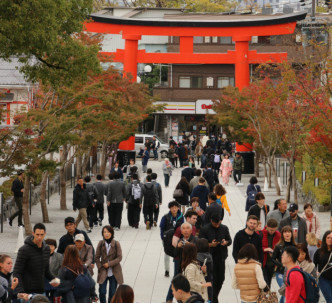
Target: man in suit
x=116 y=193
x=210 y=176
x=187 y=172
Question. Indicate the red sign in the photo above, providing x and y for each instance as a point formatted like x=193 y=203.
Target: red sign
x=204 y=106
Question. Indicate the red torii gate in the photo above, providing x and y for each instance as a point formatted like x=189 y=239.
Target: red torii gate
x=241 y=32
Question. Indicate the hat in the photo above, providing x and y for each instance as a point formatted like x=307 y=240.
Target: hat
x=293 y=207
x=69 y=220
x=79 y=237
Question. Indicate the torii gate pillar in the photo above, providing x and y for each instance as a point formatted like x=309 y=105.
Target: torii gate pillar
x=130 y=55
x=242 y=76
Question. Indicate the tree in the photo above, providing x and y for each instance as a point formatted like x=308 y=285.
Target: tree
x=43 y=35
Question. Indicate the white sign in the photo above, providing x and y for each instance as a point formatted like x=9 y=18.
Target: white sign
x=177 y=107
x=204 y=107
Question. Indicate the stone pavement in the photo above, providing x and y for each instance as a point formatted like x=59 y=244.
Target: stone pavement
x=143 y=256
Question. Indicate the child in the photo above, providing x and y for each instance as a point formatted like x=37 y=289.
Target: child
x=312 y=244
x=220 y=193
x=259 y=229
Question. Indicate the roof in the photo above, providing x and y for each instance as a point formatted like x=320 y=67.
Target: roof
x=10 y=74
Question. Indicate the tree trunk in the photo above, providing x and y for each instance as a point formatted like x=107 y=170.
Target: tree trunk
x=26 y=217
x=270 y=173
x=289 y=186
x=275 y=179
x=265 y=168
x=103 y=159
x=43 y=197
x=257 y=155
x=79 y=172
x=294 y=183
x=62 y=177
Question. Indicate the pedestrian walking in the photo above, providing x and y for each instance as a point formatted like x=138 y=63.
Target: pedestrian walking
x=219 y=239
x=213 y=208
x=145 y=159
x=210 y=176
x=171 y=154
x=248 y=235
x=157 y=185
x=260 y=209
x=238 y=168
x=93 y=194
x=154 y=146
x=85 y=252
x=183 y=193
x=32 y=264
x=194 y=202
x=201 y=191
x=248 y=275
x=81 y=201
x=167 y=167
x=187 y=172
x=150 y=201
x=252 y=189
x=134 y=200
x=193 y=271
x=322 y=259
x=194 y=181
x=216 y=161
x=226 y=169
x=124 y=294
x=117 y=168
x=18 y=189
x=77 y=290
x=116 y=195
x=220 y=193
x=199 y=151
x=9 y=284
x=312 y=244
x=280 y=213
x=270 y=238
x=99 y=207
x=68 y=238
x=286 y=240
x=304 y=260
x=108 y=258
x=311 y=219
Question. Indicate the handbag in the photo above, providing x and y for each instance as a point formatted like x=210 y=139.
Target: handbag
x=267 y=297
x=178 y=193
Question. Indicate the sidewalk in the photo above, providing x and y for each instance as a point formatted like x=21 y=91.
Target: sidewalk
x=143 y=256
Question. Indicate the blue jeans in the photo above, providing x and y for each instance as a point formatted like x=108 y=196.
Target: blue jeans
x=155 y=154
x=325 y=286
x=280 y=281
x=166 y=179
x=111 y=290
x=176 y=271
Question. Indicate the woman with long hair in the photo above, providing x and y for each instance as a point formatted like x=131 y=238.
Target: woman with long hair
x=323 y=259
x=304 y=260
x=108 y=257
x=124 y=294
x=226 y=169
x=286 y=239
x=193 y=272
x=184 y=199
x=72 y=267
x=6 y=266
x=220 y=193
x=248 y=274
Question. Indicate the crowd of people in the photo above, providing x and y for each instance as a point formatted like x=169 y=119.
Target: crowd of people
x=278 y=242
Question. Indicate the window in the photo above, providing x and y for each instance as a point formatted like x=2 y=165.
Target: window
x=226 y=81
x=196 y=82
x=225 y=40
x=214 y=39
x=198 y=40
x=207 y=39
x=3 y=114
x=184 y=82
x=138 y=140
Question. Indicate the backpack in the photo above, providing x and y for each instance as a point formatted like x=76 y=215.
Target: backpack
x=216 y=158
x=311 y=286
x=251 y=197
x=219 y=202
x=167 y=242
x=81 y=285
x=136 y=191
x=149 y=195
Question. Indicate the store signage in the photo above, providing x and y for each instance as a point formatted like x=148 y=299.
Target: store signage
x=204 y=107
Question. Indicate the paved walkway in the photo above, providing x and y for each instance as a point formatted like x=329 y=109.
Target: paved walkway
x=143 y=256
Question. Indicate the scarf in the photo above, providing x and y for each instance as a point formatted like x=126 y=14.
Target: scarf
x=306 y=266
x=108 y=240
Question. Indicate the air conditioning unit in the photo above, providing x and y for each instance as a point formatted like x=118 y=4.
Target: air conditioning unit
x=254 y=39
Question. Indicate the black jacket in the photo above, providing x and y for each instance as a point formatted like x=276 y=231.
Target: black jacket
x=93 y=192
x=241 y=238
x=211 y=178
x=211 y=233
x=256 y=211
x=276 y=256
x=32 y=266
x=195 y=298
x=201 y=192
x=213 y=208
x=17 y=186
x=11 y=294
x=81 y=198
x=68 y=239
x=184 y=200
x=153 y=200
x=188 y=173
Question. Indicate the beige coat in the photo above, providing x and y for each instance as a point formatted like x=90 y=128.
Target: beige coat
x=113 y=259
x=196 y=278
x=248 y=277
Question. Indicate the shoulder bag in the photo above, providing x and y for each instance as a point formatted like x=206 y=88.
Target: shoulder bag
x=178 y=193
x=267 y=297
x=318 y=275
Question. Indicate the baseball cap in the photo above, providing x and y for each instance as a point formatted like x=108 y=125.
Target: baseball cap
x=69 y=220
x=79 y=237
x=293 y=207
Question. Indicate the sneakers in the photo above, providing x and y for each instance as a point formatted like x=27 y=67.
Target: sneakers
x=88 y=231
x=166 y=273
x=100 y=222
x=10 y=222
x=148 y=225
x=154 y=223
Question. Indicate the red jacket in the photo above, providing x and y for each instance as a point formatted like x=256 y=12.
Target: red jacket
x=265 y=242
x=295 y=288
